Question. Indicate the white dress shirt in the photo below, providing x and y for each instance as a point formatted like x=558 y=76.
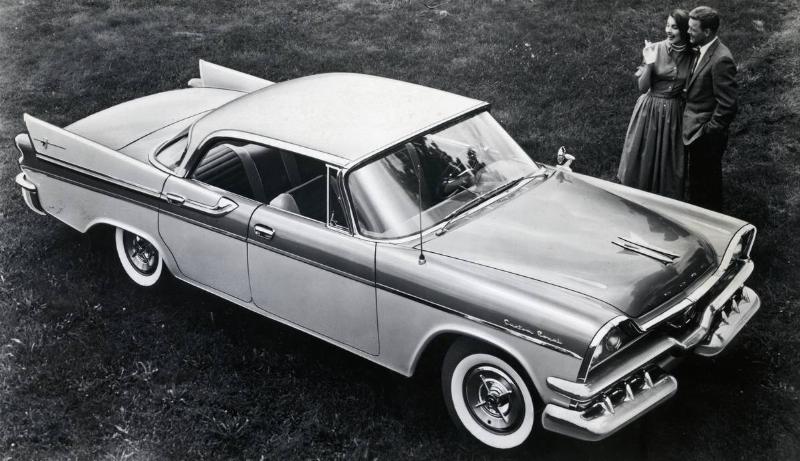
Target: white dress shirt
x=703 y=50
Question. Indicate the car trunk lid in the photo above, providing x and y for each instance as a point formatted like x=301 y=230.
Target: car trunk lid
x=125 y=123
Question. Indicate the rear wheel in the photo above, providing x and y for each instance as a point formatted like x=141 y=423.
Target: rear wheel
x=486 y=396
x=139 y=258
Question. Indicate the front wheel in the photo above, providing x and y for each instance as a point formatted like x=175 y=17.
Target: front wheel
x=139 y=258
x=486 y=396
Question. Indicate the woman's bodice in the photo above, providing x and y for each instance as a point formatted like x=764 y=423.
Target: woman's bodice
x=667 y=76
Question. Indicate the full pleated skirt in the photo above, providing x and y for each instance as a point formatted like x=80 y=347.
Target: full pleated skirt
x=652 y=156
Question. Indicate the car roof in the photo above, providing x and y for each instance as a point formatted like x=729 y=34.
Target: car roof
x=349 y=116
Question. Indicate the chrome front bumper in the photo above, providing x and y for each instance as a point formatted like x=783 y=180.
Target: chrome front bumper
x=29 y=193
x=626 y=390
x=610 y=418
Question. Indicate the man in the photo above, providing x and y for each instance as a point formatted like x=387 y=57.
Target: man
x=710 y=108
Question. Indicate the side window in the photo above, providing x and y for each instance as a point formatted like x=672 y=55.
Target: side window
x=172 y=154
x=306 y=195
x=292 y=182
x=302 y=185
x=222 y=166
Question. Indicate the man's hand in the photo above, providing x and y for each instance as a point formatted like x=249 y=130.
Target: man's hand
x=649 y=52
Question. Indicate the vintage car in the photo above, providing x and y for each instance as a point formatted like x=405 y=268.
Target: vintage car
x=394 y=220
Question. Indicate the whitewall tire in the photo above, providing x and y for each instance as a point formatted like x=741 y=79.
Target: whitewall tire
x=486 y=396
x=139 y=257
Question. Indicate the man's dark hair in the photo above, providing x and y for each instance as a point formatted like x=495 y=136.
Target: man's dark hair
x=708 y=17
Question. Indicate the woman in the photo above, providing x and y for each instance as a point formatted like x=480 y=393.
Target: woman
x=652 y=156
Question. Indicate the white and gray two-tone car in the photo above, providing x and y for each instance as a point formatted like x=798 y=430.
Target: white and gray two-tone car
x=392 y=220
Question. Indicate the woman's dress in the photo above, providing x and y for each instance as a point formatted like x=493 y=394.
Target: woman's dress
x=653 y=156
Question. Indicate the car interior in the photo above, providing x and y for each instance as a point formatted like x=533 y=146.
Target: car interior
x=281 y=179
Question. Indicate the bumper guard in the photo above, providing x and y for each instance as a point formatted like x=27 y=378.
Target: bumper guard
x=29 y=193
x=625 y=389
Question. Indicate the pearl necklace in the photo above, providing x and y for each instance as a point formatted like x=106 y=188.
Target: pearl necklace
x=678 y=48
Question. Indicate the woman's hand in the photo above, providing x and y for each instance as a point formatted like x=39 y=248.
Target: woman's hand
x=649 y=52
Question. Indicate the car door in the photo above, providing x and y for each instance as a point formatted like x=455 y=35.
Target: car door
x=204 y=221
x=305 y=266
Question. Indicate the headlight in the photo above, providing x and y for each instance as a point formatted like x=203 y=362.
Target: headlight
x=737 y=250
x=614 y=336
x=744 y=245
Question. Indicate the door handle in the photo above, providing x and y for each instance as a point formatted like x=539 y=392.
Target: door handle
x=223 y=206
x=175 y=199
x=264 y=231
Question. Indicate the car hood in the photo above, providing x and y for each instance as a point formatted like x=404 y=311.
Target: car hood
x=123 y=124
x=561 y=231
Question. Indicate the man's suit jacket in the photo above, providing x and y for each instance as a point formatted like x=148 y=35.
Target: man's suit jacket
x=710 y=94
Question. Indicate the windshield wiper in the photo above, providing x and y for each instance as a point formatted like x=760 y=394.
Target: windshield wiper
x=478 y=199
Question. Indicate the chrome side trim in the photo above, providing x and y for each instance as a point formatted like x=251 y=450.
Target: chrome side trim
x=573 y=423
x=100 y=176
x=310 y=262
x=202 y=224
x=706 y=285
x=95 y=189
x=487 y=323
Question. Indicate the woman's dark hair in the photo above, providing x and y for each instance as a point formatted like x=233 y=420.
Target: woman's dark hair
x=681 y=18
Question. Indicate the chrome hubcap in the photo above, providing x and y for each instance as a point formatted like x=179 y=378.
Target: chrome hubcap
x=142 y=255
x=493 y=398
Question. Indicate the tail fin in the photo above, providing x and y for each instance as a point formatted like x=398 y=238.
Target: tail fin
x=215 y=76
x=68 y=149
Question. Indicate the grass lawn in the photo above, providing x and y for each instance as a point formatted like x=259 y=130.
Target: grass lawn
x=93 y=367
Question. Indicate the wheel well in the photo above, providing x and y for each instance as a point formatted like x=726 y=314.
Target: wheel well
x=432 y=356
x=103 y=232
x=100 y=227
x=430 y=360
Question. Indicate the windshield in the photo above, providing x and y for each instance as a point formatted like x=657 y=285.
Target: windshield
x=458 y=163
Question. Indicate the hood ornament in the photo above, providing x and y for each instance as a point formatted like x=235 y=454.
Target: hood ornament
x=636 y=245
x=564 y=159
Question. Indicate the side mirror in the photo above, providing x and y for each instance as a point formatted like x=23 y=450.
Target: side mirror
x=564 y=159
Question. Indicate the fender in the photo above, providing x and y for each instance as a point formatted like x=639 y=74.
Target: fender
x=67 y=149
x=717 y=228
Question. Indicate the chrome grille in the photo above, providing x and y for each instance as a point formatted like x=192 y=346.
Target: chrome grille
x=689 y=318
